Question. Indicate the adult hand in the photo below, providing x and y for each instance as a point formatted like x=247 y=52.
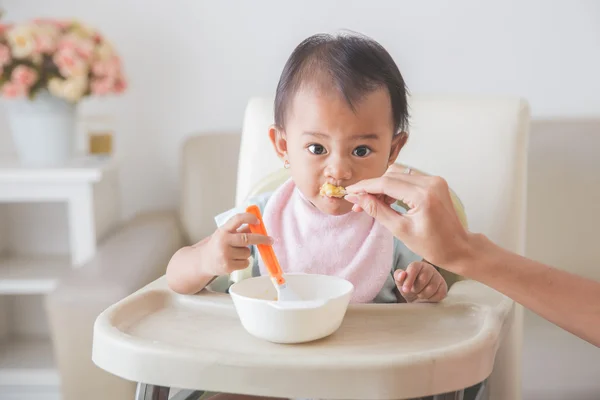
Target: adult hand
x=430 y=228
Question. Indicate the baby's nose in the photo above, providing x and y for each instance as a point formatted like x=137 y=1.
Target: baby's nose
x=338 y=169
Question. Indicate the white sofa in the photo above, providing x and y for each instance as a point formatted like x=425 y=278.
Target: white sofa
x=477 y=143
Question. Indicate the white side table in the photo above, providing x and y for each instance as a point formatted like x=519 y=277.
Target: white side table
x=89 y=188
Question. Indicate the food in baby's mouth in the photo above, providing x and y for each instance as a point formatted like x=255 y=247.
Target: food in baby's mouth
x=330 y=190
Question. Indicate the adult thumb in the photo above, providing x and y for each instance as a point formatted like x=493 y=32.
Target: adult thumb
x=381 y=211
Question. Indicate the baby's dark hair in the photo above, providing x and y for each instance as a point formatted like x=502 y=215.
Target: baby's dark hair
x=354 y=64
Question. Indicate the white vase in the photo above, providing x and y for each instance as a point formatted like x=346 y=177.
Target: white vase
x=43 y=129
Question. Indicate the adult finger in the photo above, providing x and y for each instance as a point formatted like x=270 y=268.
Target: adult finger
x=381 y=211
x=398 y=188
x=386 y=199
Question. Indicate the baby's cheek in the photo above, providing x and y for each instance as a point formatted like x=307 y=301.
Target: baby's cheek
x=306 y=183
x=372 y=168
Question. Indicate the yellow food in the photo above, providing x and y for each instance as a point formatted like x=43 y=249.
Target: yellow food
x=330 y=190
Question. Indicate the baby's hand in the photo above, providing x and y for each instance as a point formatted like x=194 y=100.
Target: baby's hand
x=228 y=248
x=421 y=282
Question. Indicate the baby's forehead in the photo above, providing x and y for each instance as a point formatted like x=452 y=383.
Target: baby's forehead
x=325 y=108
x=325 y=94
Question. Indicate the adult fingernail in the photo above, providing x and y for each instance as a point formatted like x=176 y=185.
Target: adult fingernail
x=352 y=191
x=351 y=198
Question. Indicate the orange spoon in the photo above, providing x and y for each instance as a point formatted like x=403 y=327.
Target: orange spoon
x=270 y=259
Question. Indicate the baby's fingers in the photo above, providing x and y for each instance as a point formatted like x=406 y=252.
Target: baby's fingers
x=423 y=279
x=430 y=290
x=412 y=272
x=441 y=292
x=243 y=239
x=435 y=292
x=238 y=221
x=400 y=277
x=235 y=265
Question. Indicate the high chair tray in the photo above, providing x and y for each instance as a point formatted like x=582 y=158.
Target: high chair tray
x=381 y=351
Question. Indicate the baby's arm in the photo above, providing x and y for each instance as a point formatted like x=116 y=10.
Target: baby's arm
x=422 y=282
x=193 y=267
x=187 y=273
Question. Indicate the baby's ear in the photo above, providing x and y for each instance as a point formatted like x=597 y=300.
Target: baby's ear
x=398 y=142
x=278 y=139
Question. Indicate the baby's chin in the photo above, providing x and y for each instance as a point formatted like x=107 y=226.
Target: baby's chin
x=332 y=205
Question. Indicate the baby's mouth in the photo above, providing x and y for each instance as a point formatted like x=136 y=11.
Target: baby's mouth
x=329 y=190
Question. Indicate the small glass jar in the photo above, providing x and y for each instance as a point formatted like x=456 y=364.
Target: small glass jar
x=100 y=134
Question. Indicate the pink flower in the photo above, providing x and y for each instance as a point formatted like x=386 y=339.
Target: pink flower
x=69 y=63
x=83 y=47
x=101 y=86
x=24 y=76
x=62 y=24
x=4 y=28
x=120 y=85
x=4 y=54
x=67 y=43
x=100 y=68
x=45 y=44
x=13 y=90
x=109 y=68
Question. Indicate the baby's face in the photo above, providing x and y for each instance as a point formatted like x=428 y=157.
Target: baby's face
x=327 y=141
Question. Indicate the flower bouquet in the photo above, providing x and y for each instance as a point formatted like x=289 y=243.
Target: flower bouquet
x=46 y=68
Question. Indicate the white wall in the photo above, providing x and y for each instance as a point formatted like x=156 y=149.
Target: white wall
x=564 y=195
x=193 y=64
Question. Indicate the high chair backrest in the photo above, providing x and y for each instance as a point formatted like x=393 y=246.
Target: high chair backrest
x=478 y=143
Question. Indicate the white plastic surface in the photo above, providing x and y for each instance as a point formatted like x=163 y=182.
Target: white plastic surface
x=380 y=351
x=319 y=313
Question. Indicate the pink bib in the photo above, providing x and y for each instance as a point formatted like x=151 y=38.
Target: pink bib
x=352 y=246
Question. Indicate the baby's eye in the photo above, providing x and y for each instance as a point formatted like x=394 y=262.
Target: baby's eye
x=361 y=151
x=317 y=149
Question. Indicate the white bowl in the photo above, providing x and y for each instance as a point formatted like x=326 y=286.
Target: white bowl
x=319 y=314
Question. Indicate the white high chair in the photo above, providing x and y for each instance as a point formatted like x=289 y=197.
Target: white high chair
x=162 y=340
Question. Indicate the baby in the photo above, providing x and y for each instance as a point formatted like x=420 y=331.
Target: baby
x=340 y=117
